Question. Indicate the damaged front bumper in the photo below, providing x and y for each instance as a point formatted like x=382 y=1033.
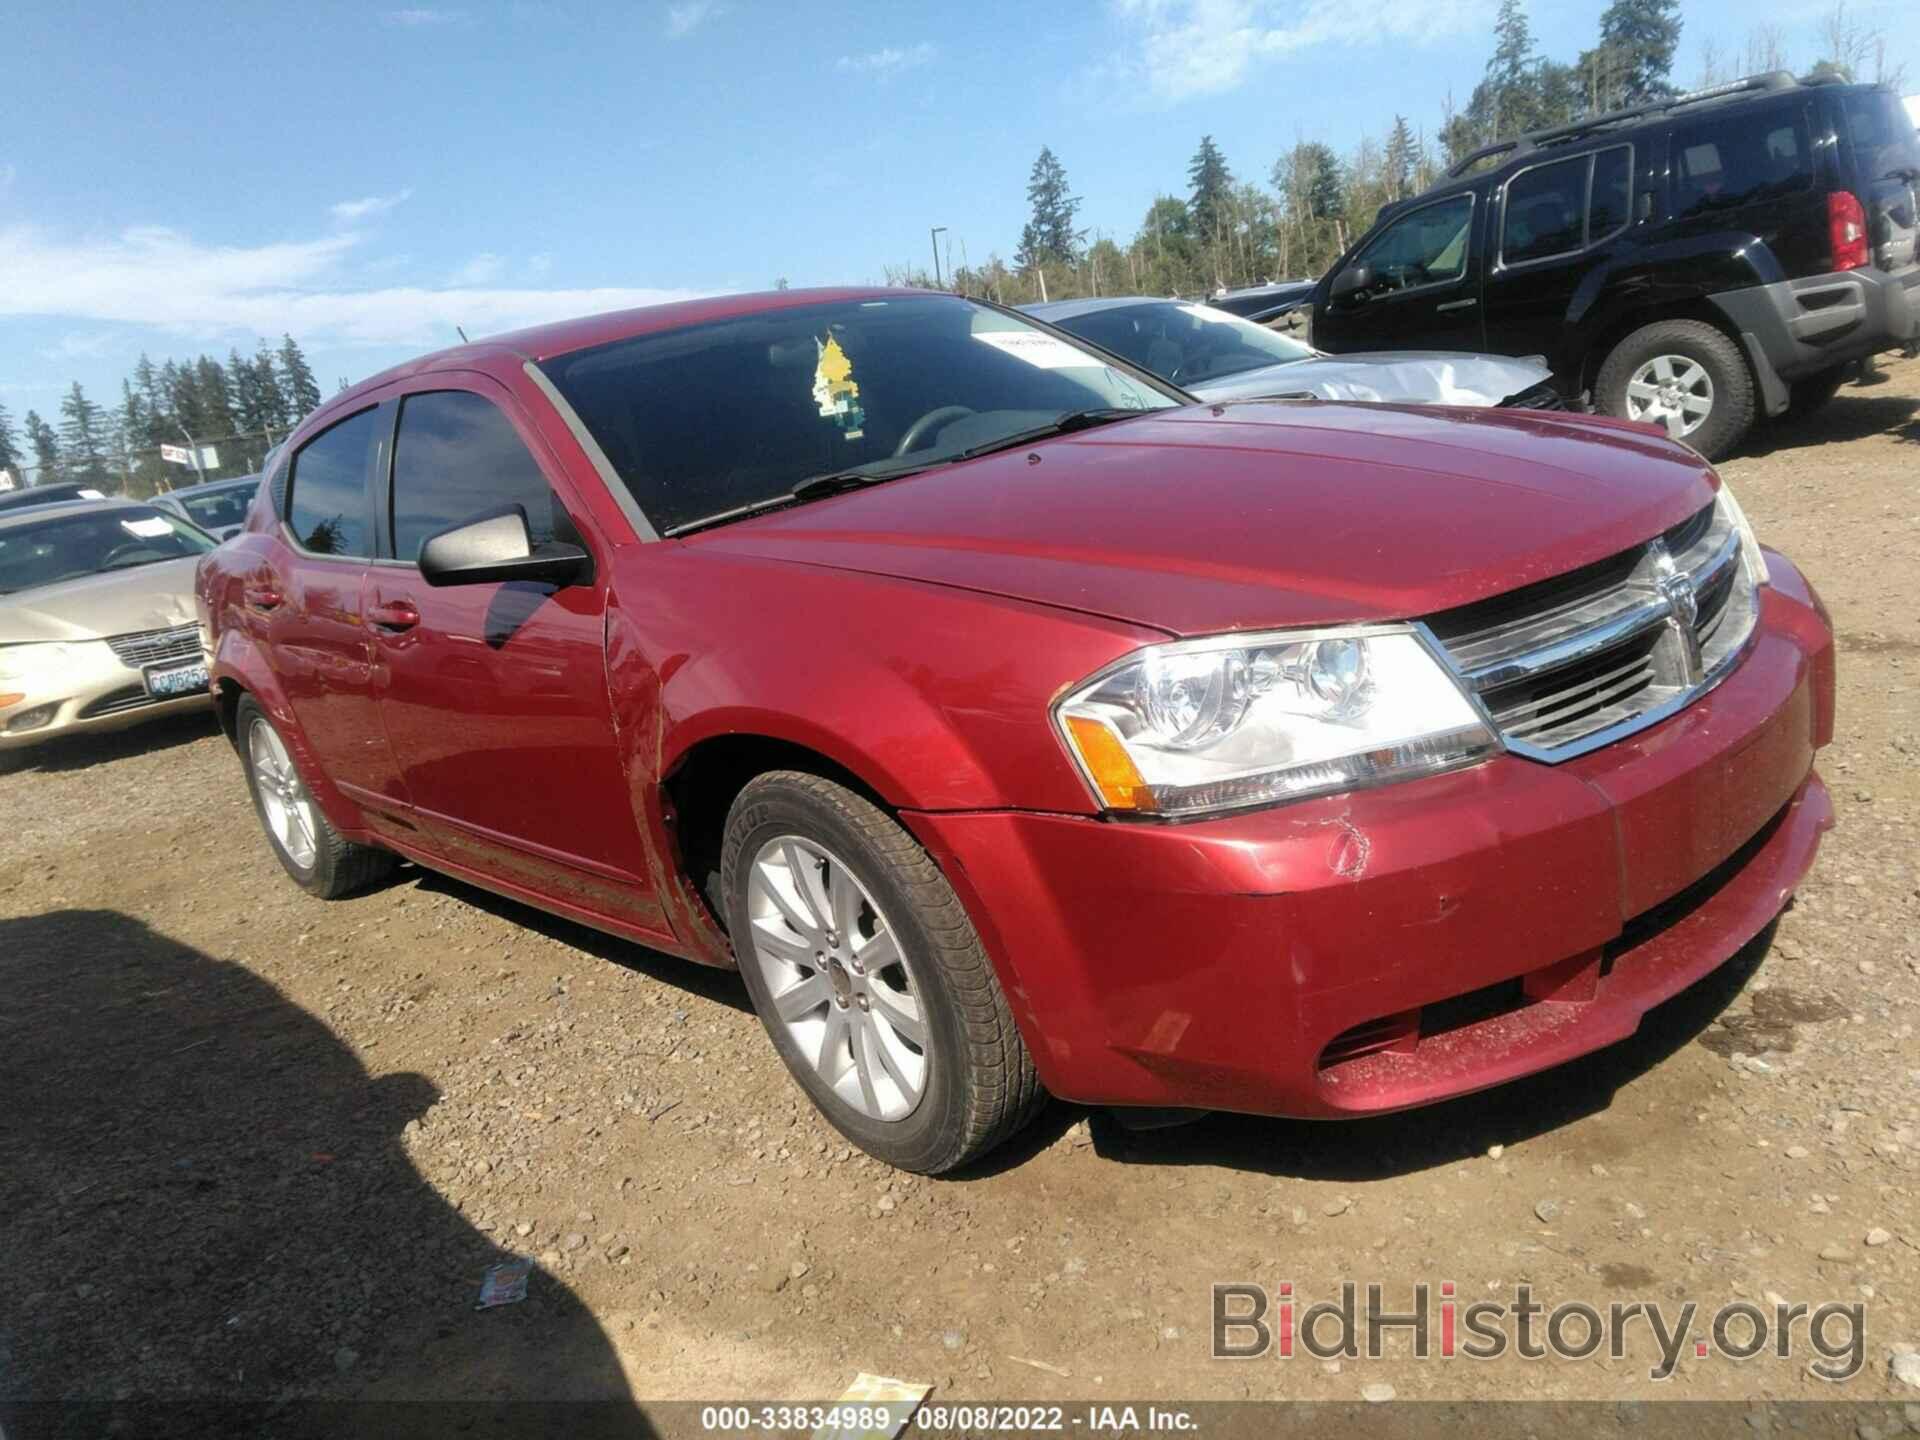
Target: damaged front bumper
x=1393 y=947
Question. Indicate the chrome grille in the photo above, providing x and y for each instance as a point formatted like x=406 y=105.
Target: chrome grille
x=1579 y=660
x=157 y=647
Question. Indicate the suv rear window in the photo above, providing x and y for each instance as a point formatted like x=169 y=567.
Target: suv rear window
x=1881 y=134
x=1739 y=160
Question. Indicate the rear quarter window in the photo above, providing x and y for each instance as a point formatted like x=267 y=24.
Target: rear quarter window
x=1739 y=159
x=1881 y=134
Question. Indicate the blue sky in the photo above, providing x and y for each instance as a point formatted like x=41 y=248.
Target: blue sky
x=186 y=177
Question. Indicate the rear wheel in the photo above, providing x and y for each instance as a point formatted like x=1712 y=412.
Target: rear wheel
x=1684 y=376
x=869 y=977
x=306 y=845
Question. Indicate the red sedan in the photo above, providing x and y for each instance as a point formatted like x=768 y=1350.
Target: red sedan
x=1016 y=725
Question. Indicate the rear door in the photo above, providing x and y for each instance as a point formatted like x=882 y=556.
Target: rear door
x=1553 y=222
x=495 y=696
x=303 y=603
x=1425 y=292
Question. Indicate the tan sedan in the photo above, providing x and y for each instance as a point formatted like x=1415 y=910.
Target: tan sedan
x=97 y=623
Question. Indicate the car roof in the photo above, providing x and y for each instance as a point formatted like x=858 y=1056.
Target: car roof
x=32 y=514
x=1054 y=311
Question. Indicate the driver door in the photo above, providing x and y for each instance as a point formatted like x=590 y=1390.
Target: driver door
x=1425 y=294
x=495 y=696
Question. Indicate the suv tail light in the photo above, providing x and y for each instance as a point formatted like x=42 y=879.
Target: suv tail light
x=1847 y=230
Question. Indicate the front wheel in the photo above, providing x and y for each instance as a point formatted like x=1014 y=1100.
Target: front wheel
x=869 y=978
x=1684 y=376
x=307 y=846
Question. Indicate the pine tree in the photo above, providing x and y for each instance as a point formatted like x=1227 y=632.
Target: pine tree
x=46 y=450
x=1049 y=237
x=296 y=381
x=1212 y=186
x=83 y=438
x=1403 y=153
x=211 y=385
x=273 y=399
x=1631 y=63
x=11 y=456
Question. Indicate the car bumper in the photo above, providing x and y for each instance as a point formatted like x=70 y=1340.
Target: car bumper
x=1394 y=947
x=90 y=693
x=1795 y=328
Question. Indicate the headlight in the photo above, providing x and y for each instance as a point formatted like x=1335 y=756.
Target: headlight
x=1750 y=551
x=17 y=662
x=1218 y=724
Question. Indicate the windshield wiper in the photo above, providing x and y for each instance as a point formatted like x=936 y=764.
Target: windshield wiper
x=814 y=487
x=1064 y=424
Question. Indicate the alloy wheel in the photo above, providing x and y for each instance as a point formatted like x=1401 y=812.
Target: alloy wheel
x=284 y=800
x=1672 y=391
x=836 y=977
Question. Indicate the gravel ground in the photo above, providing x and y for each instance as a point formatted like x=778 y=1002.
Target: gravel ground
x=260 y=1146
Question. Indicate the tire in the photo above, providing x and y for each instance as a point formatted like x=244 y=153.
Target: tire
x=924 y=1104
x=1808 y=395
x=1684 y=348
x=308 y=848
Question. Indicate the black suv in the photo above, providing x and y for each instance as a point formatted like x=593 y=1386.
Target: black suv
x=1695 y=262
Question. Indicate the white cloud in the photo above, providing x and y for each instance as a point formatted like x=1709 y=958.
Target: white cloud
x=482 y=269
x=887 y=61
x=416 y=17
x=348 y=212
x=690 y=15
x=540 y=264
x=162 y=278
x=1183 y=49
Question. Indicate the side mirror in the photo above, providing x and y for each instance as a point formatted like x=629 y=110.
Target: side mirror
x=495 y=546
x=1353 y=280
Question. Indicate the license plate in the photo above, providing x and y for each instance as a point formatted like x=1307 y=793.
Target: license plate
x=167 y=681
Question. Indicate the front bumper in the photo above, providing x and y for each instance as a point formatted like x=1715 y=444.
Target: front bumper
x=1392 y=947
x=92 y=692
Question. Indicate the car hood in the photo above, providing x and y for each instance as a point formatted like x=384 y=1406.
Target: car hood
x=1210 y=518
x=146 y=597
x=1406 y=377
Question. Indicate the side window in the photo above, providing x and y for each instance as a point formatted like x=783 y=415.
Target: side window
x=1545 y=212
x=457 y=455
x=1427 y=247
x=1722 y=164
x=327 y=501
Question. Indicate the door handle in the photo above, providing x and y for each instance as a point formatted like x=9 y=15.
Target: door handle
x=394 y=615
x=264 y=598
x=1454 y=305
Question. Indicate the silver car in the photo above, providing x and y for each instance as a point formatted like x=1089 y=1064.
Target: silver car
x=1217 y=356
x=218 y=507
x=97 y=623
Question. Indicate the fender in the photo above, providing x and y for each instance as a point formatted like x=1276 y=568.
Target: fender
x=1677 y=272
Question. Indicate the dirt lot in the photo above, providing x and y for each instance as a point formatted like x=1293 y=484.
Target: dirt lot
x=260 y=1146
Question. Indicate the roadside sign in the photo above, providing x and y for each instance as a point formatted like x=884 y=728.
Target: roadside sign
x=176 y=455
x=209 y=458
x=6 y=479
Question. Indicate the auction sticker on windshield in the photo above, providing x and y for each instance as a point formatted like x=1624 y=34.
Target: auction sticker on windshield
x=147 y=528
x=1037 y=349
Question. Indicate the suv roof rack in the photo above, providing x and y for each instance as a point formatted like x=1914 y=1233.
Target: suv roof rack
x=1533 y=139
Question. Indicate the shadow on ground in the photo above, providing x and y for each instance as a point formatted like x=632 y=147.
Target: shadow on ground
x=1445 y=1134
x=1853 y=414
x=78 y=752
x=207 y=1200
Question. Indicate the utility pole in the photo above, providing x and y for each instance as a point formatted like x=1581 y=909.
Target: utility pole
x=934 y=235
x=193 y=449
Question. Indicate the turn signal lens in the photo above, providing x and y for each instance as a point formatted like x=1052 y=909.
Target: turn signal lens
x=1846 y=230
x=6 y=700
x=1108 y=765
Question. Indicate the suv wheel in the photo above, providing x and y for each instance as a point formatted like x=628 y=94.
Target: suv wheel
x=869 y=977
x=307 y=847
x=1683 y=375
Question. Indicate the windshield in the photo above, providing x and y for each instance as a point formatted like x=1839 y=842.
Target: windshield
x=1187 y=344
x=218 y=509
x=716 y=417
x=67 y=547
